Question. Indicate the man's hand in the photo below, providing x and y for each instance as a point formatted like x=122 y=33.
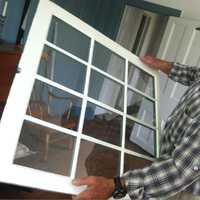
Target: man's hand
x=98 y=188
x=157 y=64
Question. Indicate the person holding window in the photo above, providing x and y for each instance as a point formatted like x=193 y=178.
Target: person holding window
x=176 y=174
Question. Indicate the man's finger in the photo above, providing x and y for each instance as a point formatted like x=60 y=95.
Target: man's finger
x=83 y=181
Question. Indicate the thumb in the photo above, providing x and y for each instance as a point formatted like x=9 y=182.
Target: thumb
x=83 y=181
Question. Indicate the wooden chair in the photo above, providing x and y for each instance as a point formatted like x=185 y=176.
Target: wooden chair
x=41 y=110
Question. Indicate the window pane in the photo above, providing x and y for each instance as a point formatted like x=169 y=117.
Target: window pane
x=108 y=61
x=62 y=69
x=55 y=106
x=140 y=107
x=103 y=124
x=97 y=160
x=68 y=38
x=45 y=149
x=140 y=138
x=132 y=162
x=140 y=80
x=106 y=90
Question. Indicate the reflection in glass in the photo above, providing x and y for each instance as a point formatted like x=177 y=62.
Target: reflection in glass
x=106 y=90
x=132 y=162
x=140 y=138
x=97 y=160
x=68 y=38
x=45 y=149
x=103 y=124
x=55 y=106
x=106 y=60
x=62 y=69
x=140 y=107
x=140 y=80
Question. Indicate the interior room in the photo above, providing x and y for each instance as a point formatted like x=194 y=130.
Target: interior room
x=98 y=122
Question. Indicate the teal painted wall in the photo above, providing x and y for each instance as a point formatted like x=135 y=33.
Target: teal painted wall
x=103 y=15
x=12 y=21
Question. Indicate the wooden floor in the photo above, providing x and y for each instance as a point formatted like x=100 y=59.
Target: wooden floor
x=13 y=192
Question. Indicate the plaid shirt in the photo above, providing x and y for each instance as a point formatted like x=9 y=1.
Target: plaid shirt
x=178 y=167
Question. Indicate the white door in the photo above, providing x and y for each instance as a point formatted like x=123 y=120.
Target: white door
x=180 y=43
x=50 y=130
x=133 y=19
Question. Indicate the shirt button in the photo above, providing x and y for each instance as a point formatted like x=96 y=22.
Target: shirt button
x=187 y=110
x=196 y=168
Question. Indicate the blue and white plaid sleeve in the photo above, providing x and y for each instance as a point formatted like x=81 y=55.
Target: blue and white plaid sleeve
x=184 y=74
x=167 y=177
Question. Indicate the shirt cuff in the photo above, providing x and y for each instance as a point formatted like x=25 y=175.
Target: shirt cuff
x=173 y=72
x=134 y=182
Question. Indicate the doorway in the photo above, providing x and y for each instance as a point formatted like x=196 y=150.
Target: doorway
x=141 y=31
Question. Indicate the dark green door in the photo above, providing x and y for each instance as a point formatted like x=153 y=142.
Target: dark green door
x=103 y=15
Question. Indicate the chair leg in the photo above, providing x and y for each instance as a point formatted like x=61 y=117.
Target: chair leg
x=46 y=147
x=70 y=144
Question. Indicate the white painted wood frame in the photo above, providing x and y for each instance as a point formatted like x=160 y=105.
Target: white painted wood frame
x=15 y=110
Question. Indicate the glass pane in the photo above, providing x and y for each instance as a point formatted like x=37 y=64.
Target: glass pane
x=132 y=162
x=106 y=60
x=106 y=90
x=140 y=138
x=55 y=106
x=103 y=124
x=97 y=160
x=62 y=69
x=140 y=107
x=68 y=38
x=140 y=80
x=45 y=149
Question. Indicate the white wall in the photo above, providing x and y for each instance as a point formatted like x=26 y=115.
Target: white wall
x=190 y=8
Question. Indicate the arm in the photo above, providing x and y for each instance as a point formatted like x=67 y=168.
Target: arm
x=162 y=179
x=177 y=72
x=184 y=74
x=157 y=64
x=166 y=178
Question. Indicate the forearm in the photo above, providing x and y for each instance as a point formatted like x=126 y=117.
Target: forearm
x=160 y=180
x=178 y=72
x=157 y=64
x=164 y=66
x=167 y=177
x=184 y=74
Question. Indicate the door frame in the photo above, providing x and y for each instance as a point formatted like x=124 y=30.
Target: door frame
x=156 y=8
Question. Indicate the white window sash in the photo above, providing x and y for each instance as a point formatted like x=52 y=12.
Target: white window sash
x=15 y=109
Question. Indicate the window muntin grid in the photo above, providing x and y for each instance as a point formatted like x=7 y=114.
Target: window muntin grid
x=132 y=162
x=106 y=90
x=108 y=61
x=103 y=124
x=134 y=133
x=62 y=69
x=141 y=107
x=65 y=36
x=98 y=75
x=56 y=159
x=140 y=80
x=30 y=73
x=98 y=163
x=53 y=105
